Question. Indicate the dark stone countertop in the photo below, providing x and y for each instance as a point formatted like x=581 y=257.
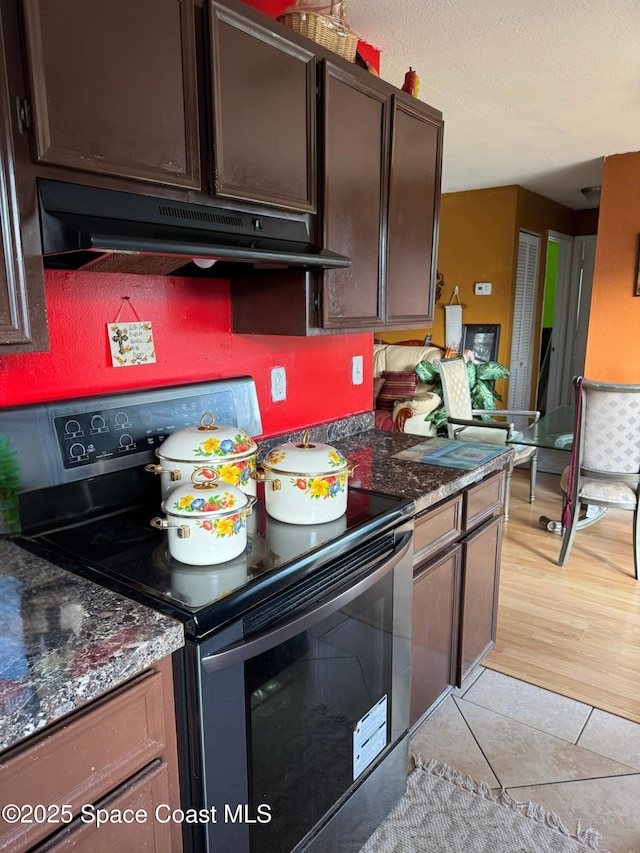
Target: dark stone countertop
x=372 y=451
x=65 y=641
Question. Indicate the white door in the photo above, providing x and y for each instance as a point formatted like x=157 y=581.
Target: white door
x=521 y=361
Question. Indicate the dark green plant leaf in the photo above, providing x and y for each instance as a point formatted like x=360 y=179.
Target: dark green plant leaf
x=483 y=397
x=427 y=372
x=490 y=370
x=438 y=417
x=472 y=375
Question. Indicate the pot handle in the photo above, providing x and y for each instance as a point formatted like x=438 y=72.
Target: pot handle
x=207 y=422
x=202 y=480
x=183 y=530
x=252 y=501
x=158 y=469
x=261 y=477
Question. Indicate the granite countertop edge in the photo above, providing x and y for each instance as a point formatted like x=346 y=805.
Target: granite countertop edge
x=65 y=641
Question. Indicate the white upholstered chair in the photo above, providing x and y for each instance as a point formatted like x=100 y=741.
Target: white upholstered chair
x=605 y=459
x=463 y=423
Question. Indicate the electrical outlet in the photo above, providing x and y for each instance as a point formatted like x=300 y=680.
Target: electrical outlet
x=278 y=384
x=483 y=288
x=356 y=370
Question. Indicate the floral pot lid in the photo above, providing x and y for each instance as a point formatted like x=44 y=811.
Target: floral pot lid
x=304 y=458
x=207 y=442
x=202 y=498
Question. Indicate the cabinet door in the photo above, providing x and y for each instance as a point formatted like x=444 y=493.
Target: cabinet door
x=114 y=87
x=264 y=105
x=434 y=631
x=140 y=796
x=414 y=203
x=23 y=321
x=479 y=607
x=354 y=198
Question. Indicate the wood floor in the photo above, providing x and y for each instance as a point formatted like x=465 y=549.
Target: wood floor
x=575 y=630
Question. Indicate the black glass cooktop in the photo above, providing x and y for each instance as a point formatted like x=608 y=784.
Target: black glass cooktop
x=122 y=551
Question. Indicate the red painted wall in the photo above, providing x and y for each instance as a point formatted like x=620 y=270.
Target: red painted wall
x=191 y=323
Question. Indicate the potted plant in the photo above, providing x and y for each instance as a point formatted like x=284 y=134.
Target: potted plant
x=481 y=375
x=9 y=488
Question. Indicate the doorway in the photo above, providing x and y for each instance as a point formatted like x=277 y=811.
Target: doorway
x=565 y=317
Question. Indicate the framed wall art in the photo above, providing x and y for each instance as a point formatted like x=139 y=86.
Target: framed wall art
x=482 y=339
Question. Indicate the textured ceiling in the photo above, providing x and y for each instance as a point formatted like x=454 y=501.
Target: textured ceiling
x=533 y=92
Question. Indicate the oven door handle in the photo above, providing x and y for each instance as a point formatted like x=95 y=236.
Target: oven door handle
x=246 y=649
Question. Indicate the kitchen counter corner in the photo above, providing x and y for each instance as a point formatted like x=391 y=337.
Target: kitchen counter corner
x=372 y=453
x=65 y=641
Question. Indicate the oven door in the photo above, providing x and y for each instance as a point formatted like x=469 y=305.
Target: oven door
x=296 y=718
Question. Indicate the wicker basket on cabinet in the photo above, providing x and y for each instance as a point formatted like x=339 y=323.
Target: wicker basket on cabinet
x=328 y=30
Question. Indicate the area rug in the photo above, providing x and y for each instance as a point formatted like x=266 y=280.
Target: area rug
x=445 y=812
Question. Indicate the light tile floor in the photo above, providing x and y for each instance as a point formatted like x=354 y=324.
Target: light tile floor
x=579 y=762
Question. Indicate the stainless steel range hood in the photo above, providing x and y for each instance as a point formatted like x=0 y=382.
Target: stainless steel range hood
x=90 y=228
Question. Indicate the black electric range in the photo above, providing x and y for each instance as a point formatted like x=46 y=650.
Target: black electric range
x=87 y=503
x=291 y=691
x=121 y=551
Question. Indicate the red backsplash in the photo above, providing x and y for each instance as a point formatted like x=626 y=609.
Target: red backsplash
x=191 y=321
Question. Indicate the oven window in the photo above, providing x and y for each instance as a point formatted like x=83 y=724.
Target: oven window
x=305 y=699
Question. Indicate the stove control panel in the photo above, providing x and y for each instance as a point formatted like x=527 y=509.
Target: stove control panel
x=123 y=431
x=71 y=440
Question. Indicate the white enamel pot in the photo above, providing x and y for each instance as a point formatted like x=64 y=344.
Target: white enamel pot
x=305 y=482
x=206 y=522
x=226 y=451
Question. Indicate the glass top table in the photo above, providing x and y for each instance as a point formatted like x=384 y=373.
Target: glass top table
x=554 y=431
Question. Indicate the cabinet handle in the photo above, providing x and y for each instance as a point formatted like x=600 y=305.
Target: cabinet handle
x=23 y=111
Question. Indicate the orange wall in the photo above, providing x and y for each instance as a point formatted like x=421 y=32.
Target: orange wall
x=476 y=244
x=479 y=242
x=615 y=311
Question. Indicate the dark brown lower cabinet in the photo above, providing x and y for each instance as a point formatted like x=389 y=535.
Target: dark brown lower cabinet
x=137 y=801
x=436 y=590
x=118 y=752
x=479 y=599
x=455 y=590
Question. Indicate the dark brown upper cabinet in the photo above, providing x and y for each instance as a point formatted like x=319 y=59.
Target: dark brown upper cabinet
x=414 y=209
x=114 y=87
x=264 y=113
x=23 y=321
x=356 y=171
x=381 y=155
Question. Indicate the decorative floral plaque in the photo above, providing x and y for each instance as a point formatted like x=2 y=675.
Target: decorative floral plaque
x=131 y=343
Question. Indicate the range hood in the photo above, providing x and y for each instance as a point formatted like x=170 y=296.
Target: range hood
x=106 y=230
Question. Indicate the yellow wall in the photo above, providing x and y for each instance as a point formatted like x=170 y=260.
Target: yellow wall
x=475 y=244
x=479 y=242
x=615 y=312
